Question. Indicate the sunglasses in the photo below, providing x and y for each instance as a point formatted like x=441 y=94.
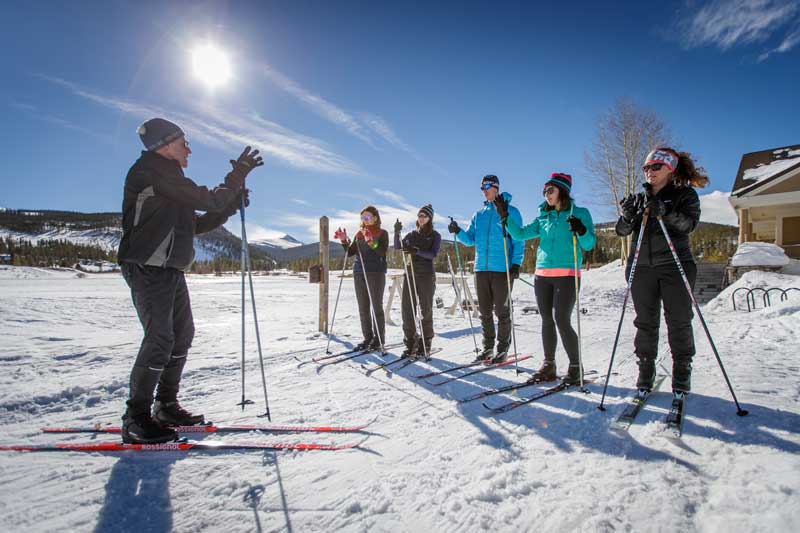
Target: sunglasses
x=548 y=190
x=486 y=186
x=367 y=217
x=422 y=215
x=655 y=167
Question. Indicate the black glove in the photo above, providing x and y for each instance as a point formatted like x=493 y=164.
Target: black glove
x=246 y=162
x=575 y=225
x=501 y=204
x=631 y=206
x=398 y=226
x=657 y=207
x=453 y=227
x=408 y=249
x=236 y=203
x=514 y=271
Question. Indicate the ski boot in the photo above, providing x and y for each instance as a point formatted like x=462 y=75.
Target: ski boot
x=647 y=374
x=573 y=376
x=546 y=373
x=486 y=354
x=142 y=429
x=172 y=414
x=681 y=375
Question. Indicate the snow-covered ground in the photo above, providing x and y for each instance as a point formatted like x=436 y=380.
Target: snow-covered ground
x=432 y=464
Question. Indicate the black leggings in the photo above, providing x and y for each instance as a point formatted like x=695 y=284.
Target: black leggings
x=557 y=293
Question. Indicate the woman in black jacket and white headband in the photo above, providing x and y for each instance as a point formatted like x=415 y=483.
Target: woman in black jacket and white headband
x=671 y=179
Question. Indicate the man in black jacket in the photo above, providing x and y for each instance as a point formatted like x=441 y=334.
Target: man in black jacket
x=657 y=279
x=159 y=224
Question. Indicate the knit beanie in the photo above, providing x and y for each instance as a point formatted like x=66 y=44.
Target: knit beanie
x=428 y=210
x=560 y=180
x=158 y=132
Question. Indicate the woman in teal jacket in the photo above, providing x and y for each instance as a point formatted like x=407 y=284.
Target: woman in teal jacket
x=554 y=283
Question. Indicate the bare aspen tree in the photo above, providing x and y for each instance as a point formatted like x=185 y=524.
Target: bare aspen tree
x=625 y=134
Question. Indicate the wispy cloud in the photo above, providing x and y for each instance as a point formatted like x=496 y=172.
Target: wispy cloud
x=715 y=207
x=255 y=232
x=38 y=114
x=368 y=127
x=300 y=202
x=224 y=130
x=729 y=23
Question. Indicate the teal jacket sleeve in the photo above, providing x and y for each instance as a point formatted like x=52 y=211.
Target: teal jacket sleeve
x=520 y=232
x=467 y=236
x=588 y=239
x=517 y=252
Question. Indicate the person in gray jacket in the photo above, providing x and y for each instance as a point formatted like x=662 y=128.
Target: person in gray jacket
x=159 y=223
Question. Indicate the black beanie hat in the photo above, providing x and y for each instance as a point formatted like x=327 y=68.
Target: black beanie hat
x=158 y=132
x=491 y=178
x=428 y=210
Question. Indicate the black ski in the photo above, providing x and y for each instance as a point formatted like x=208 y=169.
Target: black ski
x=485 y=368
x=634 y=405
x=406 y=361
x=675 y=416
x=547 y=392
x=449 y=370
x=512 y=387
x=338 y=354
x=347 y=358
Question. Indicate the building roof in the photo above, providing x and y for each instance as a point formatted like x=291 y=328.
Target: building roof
x=759 y=168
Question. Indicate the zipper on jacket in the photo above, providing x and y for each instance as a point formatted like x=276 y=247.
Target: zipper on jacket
x=488 y=232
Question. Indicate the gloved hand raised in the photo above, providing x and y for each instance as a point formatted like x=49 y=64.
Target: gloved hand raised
x=631 y=206
x=453 y=227
x=575 y=225
x=246 y=162
x=501 y=204
x=398 y=226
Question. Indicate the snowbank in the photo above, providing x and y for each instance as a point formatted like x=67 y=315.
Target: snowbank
x=759 y=254
x=754 y=279
x=23 y=272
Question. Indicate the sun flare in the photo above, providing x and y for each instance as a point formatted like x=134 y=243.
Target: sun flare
x=211 y=65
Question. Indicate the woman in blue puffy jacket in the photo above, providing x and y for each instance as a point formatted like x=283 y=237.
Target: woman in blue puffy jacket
x=554 y=283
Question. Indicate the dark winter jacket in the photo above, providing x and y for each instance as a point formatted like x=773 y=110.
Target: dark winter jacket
x=427 y=245
x=158 y=213
x=683 y=215
x=374 y=258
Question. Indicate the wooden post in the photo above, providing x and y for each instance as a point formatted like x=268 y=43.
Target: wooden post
x=324 y=260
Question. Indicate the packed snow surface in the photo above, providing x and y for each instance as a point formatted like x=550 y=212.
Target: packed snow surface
x=430 y=463
x=759 y=254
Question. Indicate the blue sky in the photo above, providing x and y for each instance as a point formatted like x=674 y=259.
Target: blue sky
x=395 y=104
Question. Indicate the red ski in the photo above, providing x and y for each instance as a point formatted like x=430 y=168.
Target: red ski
x=178 y=446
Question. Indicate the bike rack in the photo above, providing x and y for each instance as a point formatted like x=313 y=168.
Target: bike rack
x=750 y=296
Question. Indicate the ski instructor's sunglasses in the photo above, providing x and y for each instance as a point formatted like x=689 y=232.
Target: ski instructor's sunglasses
x=655 y=167
x=486 y=186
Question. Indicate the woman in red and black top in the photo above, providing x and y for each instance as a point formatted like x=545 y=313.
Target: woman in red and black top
x=671 y=180
x=369 y=275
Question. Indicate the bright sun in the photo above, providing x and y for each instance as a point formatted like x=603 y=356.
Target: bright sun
x=211 y=65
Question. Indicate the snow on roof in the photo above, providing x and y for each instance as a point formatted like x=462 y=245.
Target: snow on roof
x=763 y=172
x=759 y=254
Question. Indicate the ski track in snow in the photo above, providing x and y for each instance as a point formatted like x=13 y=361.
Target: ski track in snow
x=430 y=464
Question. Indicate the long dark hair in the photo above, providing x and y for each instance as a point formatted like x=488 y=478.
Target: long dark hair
x=563 y=197
x=687 y=173
x=427 y=228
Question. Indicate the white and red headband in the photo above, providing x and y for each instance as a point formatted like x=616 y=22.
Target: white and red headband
x=664 y=157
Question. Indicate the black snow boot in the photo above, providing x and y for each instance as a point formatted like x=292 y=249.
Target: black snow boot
x=142 y=429
x=488 y=351
x=546 y=373
x=500 y=357
x=172 y=414
x=573 y=376
x=363 y=345
x=647 y=373
x=681 y=375
x=411 y=348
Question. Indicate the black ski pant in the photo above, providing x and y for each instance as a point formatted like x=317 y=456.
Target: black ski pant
x=656 y=285
x=377 y=282
x=162 y=303
x=557 y=294
x=492 y=289
x=426 y=287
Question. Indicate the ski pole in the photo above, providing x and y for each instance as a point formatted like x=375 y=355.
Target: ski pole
x=624 y=304
x=244 y=266
x=464 y=284
x=336 y=305
x=739 y=410
x=455 y=284
x=369 y=295
x=255 y=317
x=578 y=304
x=510 y=301
x=417 y=307
x=526 y=282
